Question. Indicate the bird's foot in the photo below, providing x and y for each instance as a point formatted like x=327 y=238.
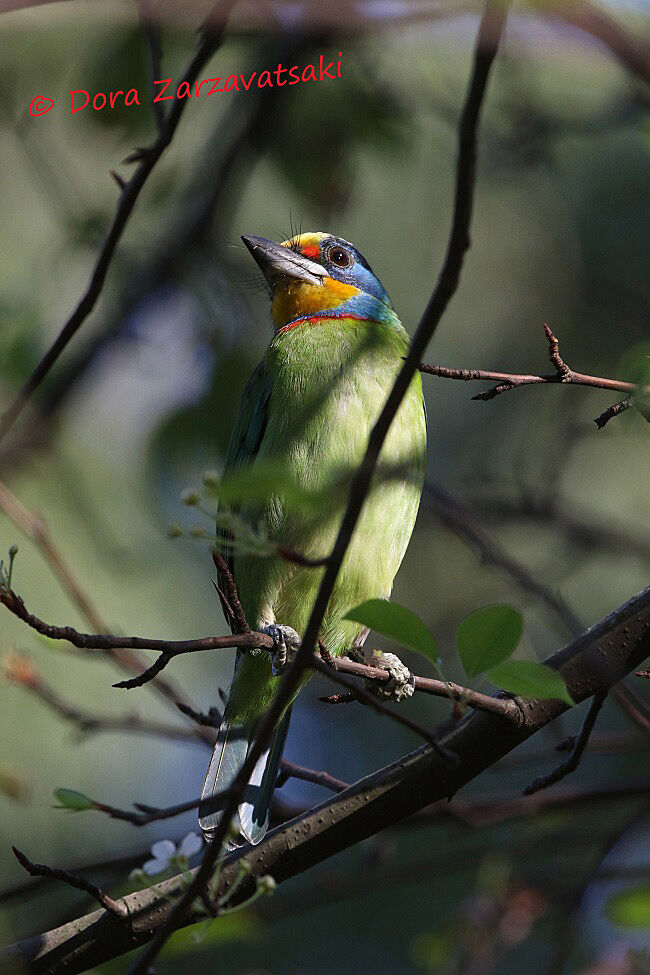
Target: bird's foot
x=401 y=683
x=285 y=646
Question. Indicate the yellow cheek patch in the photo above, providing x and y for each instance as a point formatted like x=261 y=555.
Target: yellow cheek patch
x=298 y=299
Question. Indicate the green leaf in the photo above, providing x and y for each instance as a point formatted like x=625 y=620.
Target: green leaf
x=396 y=622
x=530 y=679
x=487 y=637
x=74 y=801
x=630 y=907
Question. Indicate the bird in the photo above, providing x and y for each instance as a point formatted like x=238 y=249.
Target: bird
x=309 y=408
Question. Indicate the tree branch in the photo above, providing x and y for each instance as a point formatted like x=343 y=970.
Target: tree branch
x=115 y=908
x=572 y=762
x=563 y=374
x=108 y=641
x=505 y=707
x=21 y=671
x=289 y=770
x=600 y=24
x=250 y=640
x=36 y=528
x=460 y=518
x=210 y=39
x=590 y=665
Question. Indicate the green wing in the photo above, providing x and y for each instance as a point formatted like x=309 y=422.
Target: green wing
x=245 y=439
x=251 y=420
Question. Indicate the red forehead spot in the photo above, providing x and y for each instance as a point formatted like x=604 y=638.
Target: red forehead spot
x=311 y=251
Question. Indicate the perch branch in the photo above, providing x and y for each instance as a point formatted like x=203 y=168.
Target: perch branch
x=168 y=649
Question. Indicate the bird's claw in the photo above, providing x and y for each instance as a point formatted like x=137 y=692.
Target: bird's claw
x=285 y=645
x=401 y=683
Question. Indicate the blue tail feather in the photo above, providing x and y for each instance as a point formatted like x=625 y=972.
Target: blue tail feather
x=230 y=751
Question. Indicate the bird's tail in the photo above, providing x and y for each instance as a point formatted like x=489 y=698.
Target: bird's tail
x=230 y=751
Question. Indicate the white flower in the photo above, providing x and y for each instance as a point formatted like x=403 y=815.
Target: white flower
x=166 y=851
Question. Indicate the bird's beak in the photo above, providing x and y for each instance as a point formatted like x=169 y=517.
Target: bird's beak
x=276 y=261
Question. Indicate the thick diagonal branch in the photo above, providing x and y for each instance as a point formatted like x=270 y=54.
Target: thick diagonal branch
x=590 y=665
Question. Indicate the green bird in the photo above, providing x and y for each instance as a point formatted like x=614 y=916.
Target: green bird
x=309 y=407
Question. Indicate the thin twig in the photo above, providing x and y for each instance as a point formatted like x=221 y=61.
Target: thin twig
x=36 y=528
x=615 y=410
x=143 y=814
x=116 y=908
x=210 y=38
x=109 y=641
x=231 y=594
x=571 y=764
x=505 y=707
x=21 y=671
x=330 y=671
x=507 y=381
x=289 y=770
x=210 y=720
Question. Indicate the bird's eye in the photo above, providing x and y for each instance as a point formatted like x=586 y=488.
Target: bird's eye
x=340 y=257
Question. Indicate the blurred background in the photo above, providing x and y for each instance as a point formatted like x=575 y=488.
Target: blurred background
x=526 y=502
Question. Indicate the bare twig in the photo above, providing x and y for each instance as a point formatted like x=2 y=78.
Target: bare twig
x=36 y=528
x=210 y=720
x=109 y=641
x=240 y=623
x=505 y=707
x=116 y=908
x=21 y=671
x=143 y=814
x=617 y=408
x=571 y=764
x=289 y=770
x=507 y=381
x=331 y=671
x=210 y=38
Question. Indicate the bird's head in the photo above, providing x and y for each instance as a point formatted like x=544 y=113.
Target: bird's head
x=316 y=276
